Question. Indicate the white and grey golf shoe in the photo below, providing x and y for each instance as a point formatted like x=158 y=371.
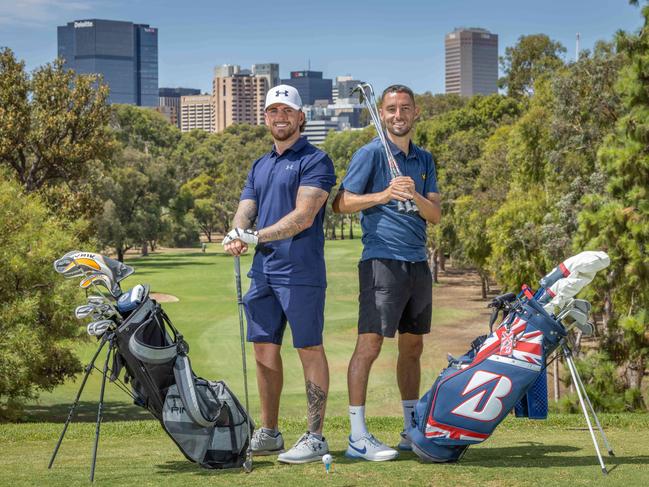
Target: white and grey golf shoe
x=264 y=443
x=369 y=448
x=307 y=449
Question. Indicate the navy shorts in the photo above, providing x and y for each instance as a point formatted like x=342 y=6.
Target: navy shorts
x=269 y=306
x=394 y=295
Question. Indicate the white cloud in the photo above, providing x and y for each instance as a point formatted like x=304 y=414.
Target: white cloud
x=40 y=13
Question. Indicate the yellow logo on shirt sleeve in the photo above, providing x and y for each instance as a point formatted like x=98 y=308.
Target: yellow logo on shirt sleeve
x=423 y=176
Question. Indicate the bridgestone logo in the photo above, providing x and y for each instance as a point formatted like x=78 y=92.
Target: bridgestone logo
x=85 y=23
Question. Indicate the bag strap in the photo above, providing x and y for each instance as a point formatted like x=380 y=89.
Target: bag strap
x=187 y=391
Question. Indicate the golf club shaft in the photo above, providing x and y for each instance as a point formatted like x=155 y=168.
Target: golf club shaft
x=237 y=276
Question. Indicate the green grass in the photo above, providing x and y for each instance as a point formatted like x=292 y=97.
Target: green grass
x=557 y=451
x=521 y=452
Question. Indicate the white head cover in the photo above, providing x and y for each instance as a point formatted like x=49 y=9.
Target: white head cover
x=284 y=94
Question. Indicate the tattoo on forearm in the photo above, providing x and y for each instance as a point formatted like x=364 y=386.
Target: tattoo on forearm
x=307 y=204
x=316 y=399
x=246 y=214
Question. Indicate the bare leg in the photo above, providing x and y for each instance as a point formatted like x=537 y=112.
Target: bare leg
x=409 y=365
x=270 y=379
x=316 y=378
x=368 y=346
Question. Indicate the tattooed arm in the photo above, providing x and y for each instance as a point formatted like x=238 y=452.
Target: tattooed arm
x=316 y=400
x=307 y=205
x=244 y=218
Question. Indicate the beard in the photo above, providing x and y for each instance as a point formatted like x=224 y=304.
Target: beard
x=400 y=132
x=283 y=134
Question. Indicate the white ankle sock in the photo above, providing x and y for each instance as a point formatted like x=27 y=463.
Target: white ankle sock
x=408 y=408
x=357 y=421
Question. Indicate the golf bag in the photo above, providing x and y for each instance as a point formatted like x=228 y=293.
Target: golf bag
x=476 y=391
x=203 y=418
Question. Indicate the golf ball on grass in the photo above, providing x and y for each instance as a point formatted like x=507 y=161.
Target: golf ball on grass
x=327 y=460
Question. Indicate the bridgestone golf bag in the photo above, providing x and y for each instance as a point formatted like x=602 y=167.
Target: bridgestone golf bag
x=203 y=418
x=475 y=392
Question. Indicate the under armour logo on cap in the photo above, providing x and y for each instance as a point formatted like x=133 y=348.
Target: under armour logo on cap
x=284 y=94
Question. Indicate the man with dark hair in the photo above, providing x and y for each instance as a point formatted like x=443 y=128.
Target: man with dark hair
x=394 y=278
x=285 y=194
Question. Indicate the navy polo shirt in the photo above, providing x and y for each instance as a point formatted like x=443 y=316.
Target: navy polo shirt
x=272 y=183
x=388 y=234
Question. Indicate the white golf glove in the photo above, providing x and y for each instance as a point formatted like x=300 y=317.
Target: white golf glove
x=249 y=237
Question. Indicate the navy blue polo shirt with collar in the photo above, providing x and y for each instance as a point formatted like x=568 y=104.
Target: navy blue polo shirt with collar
x=273 y=182
x=388 y=234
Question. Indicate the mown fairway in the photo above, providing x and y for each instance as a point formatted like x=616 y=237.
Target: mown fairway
x=135 y=451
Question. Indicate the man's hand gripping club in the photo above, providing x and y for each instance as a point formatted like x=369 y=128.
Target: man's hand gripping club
x=237 y=240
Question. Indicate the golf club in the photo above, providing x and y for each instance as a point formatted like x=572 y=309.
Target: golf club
x=367 y=96
x=247 y=465
x=98 y=328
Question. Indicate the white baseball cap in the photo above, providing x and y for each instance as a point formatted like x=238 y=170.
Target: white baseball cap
x=285 y=94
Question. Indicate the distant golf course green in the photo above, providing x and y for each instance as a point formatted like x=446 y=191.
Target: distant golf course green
x=135 y=451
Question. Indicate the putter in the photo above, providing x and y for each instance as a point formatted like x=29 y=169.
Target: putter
x=247 y=465
x=367 y=97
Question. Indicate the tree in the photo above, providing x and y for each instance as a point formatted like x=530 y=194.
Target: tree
x=617 y=220
x=145 y=130
x=532 y=56
x=135 y=190
x=36 y=318
x=52 y=122
x=205 y=205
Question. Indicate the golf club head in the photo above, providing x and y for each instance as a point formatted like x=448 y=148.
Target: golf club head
x=77 y=263
x=582 y=305
x=104 y=311
x=96 y=299
x=587 y=329
x=98 y=328
x=102 y=280
x=85 y=310
x=66 y=266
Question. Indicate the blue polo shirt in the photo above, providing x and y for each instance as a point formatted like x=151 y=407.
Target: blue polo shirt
x=272 y=183
x=388 y=234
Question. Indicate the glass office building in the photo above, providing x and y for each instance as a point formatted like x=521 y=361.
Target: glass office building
x=310 y=85
x=125 y=54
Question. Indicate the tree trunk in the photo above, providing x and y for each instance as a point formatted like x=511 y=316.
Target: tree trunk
x=351 y=227
x=342 y=227
x=483 y=284
x=120 y=254
x=442 y=260
x=433 y=266
x=153 y=244
x=145 y=248
x=209 y=237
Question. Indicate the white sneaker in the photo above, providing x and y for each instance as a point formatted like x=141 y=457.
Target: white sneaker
x=369 y=448
x=405 y=444
x=263 y=443
x=307 y=449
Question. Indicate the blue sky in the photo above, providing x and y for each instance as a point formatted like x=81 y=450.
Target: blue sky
x=378 y=41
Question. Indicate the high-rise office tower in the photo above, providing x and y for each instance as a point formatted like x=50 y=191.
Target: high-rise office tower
x=125 y=54
x=197 y=112
x=170 y=102
x=471 y=62
x=238 y=96
x=268 y=70
x=310 y=85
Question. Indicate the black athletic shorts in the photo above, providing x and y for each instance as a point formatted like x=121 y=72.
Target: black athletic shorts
x=394 y=295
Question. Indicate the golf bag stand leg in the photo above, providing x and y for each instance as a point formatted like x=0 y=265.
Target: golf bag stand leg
x=581 y=393
x=100 y=408
x=88 y=370
x=247 y=465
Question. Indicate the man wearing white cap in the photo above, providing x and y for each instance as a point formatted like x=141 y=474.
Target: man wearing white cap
x=285 y=194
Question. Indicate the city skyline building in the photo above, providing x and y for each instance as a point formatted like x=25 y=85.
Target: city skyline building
x=311 y=86
x=269 y=70
x=196 y=112
x=169 y=102
x=471 y=62
x=238 y=97
x=124 y=53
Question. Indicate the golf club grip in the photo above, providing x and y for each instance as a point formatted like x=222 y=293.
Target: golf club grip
x=401 y=207
x=411 y=207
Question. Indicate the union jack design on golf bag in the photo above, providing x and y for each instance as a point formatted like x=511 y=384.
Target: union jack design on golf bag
x=475 y=392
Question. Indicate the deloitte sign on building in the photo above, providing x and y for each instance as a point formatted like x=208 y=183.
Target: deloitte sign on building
x=125 y=54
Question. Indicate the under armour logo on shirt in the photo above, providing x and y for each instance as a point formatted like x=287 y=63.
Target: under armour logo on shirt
x=289 y=166
x=278 y=92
